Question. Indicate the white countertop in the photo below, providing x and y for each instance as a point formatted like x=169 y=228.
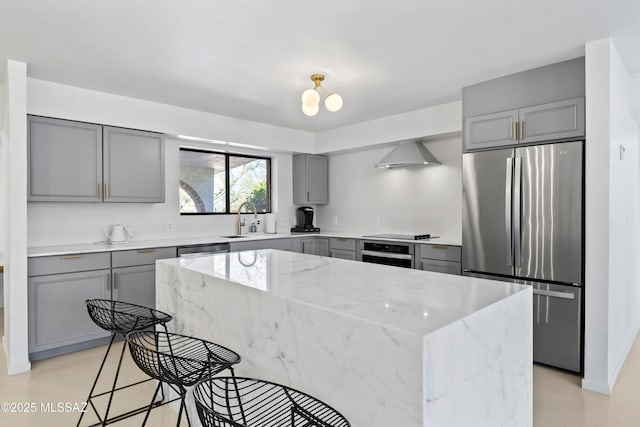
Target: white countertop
x=410 y=301
x=38 y=251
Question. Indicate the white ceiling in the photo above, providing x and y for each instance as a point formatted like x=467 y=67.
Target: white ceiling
x=252 y=59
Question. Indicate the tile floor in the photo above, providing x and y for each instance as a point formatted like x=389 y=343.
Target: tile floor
x=558 y=399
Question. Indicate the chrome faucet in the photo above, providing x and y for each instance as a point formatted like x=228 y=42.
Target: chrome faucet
x=241 y=222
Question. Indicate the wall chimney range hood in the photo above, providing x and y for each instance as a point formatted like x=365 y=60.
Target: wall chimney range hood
x=408 y=153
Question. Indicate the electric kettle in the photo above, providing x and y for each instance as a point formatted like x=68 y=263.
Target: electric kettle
x=119 y=234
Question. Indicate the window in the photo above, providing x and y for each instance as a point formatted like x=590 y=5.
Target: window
x=218 y=183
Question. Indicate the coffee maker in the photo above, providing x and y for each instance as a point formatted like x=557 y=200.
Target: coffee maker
x=304 y=221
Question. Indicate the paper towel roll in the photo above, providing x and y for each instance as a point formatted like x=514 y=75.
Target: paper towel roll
x=270 y=223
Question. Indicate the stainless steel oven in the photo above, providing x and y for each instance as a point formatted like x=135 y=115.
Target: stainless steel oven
x=396 y=254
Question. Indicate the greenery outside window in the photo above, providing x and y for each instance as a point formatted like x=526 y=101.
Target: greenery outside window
x=218 y=183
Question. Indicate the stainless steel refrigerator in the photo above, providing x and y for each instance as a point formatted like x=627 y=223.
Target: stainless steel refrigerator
x=523 y=222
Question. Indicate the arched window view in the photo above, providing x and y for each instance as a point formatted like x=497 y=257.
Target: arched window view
x=219 y=183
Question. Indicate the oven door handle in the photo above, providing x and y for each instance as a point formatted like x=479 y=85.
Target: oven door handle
x=386 y=254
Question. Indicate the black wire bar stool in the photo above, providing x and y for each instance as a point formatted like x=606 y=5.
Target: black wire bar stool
x=249 y=402
x=120 y=318
x=179 y=361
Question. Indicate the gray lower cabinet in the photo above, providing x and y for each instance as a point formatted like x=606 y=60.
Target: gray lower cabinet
x=57 y=311
x=315 y=246
x=491 y=130
x=59 y=285
x=343 y=248
x=133 y=166
x=65 y=160
x=134 y=274
x=136 y=285
x=322 y=246
x=440 y=258
x=310 y=179
x=281 y=244
x=343 y=254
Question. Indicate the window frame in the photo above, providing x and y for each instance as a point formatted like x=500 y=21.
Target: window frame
x=227 y=201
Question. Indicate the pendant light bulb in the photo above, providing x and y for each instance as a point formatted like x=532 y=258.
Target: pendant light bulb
x=311 y=110
x=333 y=102
x=310 y=97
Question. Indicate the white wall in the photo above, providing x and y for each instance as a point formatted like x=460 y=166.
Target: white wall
x=3 y=182
x=634 y=95
x=438 y=120
x=59 y=223
x=612 y=294
x=403 y=200
x=62 y=101
x=13 y=194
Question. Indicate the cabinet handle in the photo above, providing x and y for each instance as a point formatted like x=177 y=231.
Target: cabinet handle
x=514 y=132
x=146 y=251
x=106 y=190
x=71 y=256
x=99 y=191
x=439 y=247
x=308 y=195
x=521 y=129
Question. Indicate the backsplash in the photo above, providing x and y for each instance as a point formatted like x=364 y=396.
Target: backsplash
x=421 y=199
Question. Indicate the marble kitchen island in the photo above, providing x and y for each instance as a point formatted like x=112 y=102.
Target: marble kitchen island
x=386 y=346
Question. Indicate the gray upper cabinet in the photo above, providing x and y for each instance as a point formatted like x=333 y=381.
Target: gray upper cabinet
x=491 y=130
x=83 y=162
x=133 y=166
x=555 y=120
x=310 y=179
x=65 y=160
x=538 y=105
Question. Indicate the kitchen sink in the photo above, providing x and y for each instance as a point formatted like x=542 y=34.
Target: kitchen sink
x=235 y=236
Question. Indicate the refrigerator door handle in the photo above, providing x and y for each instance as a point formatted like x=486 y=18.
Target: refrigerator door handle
x=517 y=214
x=507 y=210
x=554 y=294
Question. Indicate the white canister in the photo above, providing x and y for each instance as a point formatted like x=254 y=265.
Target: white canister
x=270 y=223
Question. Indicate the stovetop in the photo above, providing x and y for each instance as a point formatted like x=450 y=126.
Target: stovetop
x=404 y=236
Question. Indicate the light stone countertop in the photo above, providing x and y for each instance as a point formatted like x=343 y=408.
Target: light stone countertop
x=38 y=251
x=409 y=301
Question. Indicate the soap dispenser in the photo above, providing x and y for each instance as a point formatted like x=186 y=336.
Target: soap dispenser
x=253 y=228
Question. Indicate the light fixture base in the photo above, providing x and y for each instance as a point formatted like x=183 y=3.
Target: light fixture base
x=317 y=78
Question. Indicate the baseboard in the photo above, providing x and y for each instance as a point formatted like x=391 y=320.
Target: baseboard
x=623 y=359
x=597 y=387
x=608 y=388
x=14 y=369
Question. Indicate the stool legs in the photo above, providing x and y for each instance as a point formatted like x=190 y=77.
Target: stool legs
x=105 y=421
x=95 y=382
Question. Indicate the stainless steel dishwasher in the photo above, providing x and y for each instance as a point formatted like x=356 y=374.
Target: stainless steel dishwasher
x=195 y=250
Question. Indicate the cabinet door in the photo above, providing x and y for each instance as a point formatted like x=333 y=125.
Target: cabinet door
x=65 y=160
x=136 y=285
x=439 y=266
x=556 y=120
x=342 y=254
x=309 y=246
x=490 y=130
x=133 y=166
x=57 y=309
x=322 y=247
x=317 y=179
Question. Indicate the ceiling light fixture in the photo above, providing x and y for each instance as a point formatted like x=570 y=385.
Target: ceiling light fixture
x=311 y=98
